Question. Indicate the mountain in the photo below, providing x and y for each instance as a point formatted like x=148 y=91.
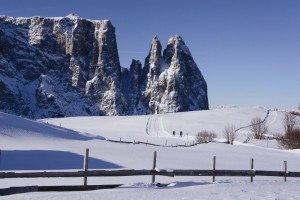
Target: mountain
x=69 y=66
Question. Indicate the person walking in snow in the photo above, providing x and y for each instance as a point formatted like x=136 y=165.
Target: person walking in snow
x=180 y=133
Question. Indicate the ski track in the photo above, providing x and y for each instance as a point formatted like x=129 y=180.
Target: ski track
x=272 y=117
x=154 y=126
x=247 y=126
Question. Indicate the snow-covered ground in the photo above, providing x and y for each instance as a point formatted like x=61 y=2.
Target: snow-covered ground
x=59 y=144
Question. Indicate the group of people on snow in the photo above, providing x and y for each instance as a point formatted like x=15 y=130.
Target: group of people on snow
x=180 y=134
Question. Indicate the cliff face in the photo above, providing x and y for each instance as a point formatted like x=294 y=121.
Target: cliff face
x=68 y=66
x=174 y=82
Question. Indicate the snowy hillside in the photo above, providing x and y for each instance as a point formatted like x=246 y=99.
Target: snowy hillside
x=158 y=128
x=58 y=144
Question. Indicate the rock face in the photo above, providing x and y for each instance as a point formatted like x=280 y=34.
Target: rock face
x=68 y=66
x=179 y=85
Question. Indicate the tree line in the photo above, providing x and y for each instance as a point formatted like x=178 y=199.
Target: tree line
x=258 y=129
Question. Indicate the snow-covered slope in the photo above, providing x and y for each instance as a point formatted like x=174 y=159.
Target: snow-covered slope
x=19 y=128
x=160 y=127
x=65 y=147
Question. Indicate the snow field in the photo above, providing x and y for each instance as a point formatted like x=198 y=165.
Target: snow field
x=45 y=141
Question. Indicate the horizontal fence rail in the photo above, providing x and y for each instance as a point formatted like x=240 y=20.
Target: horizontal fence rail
x=90 y=173
x=156 y=145
x=173 y=173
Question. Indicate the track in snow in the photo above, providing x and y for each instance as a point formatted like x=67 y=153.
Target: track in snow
x=272 y=117
x=154 y=126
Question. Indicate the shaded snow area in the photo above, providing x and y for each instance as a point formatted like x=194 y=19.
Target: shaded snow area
x=19 y=128
x=59 y=144
x=266 y=190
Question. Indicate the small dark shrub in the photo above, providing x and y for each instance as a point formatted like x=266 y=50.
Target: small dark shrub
x=295 y=113
x=291 y=140
x=230 y=133
x=258 y=128
x=289 y=122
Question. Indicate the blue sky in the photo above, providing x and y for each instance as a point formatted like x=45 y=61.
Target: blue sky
x=247 y=50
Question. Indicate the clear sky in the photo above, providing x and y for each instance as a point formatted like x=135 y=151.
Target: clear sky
x=247 y=50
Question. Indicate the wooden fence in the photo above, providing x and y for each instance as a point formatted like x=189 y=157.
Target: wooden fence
x=153 y=172
x=187 y=144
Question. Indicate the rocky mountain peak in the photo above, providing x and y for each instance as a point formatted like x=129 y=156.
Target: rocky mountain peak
x=72 y=16
x=175 y=45
x=186 y=89
x=136 y=66
x=154 y=59
x=68 y=66
x=175 y=40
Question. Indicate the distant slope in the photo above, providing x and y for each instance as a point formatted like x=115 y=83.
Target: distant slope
x=160 y=127
x=151 y=128
x=18 y=127
x=216 y=119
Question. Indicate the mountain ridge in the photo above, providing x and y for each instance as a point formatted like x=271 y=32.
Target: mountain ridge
x=69 y=66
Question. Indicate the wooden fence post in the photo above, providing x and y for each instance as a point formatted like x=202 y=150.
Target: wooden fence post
x=86 y=166
x=285 y=170
x=252 y=167
x=154 y=166
x=214 y=168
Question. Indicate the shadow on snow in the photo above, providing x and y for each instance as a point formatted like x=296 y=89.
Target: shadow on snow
x=48 y=160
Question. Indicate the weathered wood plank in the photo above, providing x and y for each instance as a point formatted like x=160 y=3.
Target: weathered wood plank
x=113 y=173
x=154 y=166
x=252 y=167
x=214 y=172
x=41 y=174
x=285 y=170
x=83 y=173
x=269 y=173
x=293 y=174
x=214 y=168
x=86 y=166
